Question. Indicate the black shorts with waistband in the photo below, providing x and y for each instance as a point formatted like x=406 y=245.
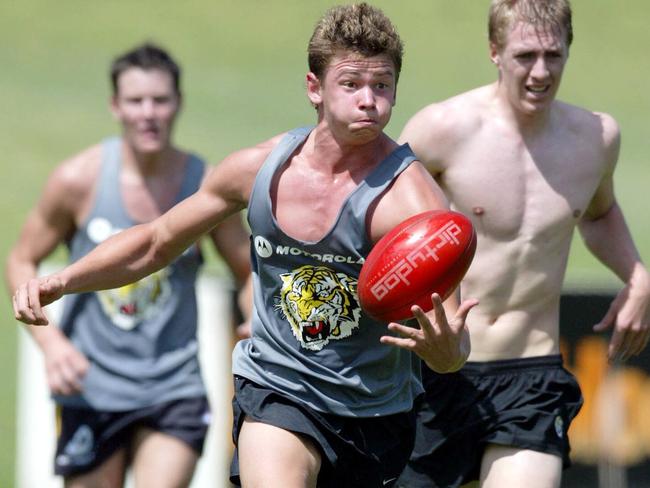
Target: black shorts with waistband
x=357 y=452
x=89 y=437
x=523 y=403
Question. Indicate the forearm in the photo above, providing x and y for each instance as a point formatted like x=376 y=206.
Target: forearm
x=123 y=259
x=608 y=238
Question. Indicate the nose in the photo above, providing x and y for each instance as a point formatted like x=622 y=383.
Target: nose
x=366 y=98
x=540 y=69
x=148 y=107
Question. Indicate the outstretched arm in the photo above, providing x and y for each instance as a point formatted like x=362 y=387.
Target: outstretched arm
x=143 y=249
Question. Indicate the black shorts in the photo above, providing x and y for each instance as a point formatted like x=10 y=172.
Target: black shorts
x=357 y=452
x=523 y=403
x=89 y=437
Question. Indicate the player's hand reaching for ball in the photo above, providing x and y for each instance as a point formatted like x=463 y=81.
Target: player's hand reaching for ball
x=30 y=298
x=443 y=344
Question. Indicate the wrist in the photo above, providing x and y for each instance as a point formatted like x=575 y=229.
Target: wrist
x=639 y=282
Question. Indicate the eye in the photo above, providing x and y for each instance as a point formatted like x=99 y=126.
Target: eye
x=525 y=56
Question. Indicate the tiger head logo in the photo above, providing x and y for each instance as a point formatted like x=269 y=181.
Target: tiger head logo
x=129 y=305
x=320 y=305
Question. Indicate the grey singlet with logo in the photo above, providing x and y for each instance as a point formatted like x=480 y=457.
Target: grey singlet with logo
x=141 y=338
x=310 y=340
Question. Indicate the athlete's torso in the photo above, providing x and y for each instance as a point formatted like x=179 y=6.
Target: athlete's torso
x=310 y=340
x=140 y=339
x=525 y=196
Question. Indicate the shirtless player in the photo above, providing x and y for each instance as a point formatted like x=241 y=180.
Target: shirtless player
x=529 y=170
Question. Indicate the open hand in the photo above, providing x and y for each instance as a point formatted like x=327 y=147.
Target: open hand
x=444 y=345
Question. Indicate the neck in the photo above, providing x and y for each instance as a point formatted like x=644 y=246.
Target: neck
x=147 y=162
x=528 y=122
x=345 y=153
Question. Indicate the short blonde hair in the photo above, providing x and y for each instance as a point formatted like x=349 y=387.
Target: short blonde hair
x=359 y=28
x=554 y=15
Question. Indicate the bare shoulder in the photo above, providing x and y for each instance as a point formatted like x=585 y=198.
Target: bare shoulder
x=74 y=178
x=437 y=129
x=599 y=129
x=236 y=173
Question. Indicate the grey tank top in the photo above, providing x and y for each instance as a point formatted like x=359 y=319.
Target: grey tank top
x=141 y=339
x=310 y=340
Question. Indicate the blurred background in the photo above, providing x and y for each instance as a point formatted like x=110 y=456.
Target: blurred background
x=244 y=64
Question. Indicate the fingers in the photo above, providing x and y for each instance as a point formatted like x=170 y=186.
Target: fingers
x=27 y=303
x=65 y=382
x=465 y=307
x=614 y=349
x=608 y=319
x=440 y=323
x=408 y=336
x=66 y=376
x=26 y=308
x=441 y=316
x=627 y=342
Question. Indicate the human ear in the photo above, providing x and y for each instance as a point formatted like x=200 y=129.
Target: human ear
x=114 y=108
x=494 y=54
x=314 y=89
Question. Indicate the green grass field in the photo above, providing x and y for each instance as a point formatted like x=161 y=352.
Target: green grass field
x=244 y=65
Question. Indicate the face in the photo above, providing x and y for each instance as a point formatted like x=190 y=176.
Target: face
x=355 y=95
x=530 y=67
x=146 y=105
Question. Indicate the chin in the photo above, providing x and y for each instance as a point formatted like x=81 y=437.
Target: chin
x=534 y=108
x=148 y=147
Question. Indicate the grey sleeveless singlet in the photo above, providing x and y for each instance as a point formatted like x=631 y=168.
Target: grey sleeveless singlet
x=310 y=340
x=141 y=338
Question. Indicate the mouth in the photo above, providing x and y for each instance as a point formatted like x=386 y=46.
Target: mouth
x=150 y=131
x=538 y=89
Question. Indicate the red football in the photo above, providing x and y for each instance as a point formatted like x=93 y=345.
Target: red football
x=427 y=253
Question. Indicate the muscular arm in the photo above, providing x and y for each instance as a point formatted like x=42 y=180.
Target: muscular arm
x=47 y=225
x=143 y=249
x=608 y=238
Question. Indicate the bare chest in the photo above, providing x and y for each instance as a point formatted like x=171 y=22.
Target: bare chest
x=306 y=206
x=512 y=190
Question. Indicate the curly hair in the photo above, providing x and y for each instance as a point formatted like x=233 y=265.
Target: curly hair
x=359 y=28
